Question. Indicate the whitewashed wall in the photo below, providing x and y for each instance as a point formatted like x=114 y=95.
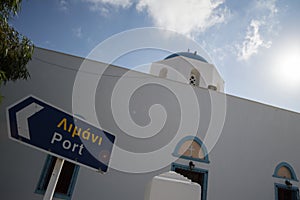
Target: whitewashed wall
x=254 y=138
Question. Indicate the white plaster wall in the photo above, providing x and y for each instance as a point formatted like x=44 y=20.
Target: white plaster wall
x=254 y=139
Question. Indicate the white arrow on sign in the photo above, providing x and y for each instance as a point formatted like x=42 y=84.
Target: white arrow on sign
x=22 y=118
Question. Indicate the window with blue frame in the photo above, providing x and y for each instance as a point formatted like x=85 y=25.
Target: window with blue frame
x=66 y=181
x=285 y=171
x=191 y=148
x=285 y=191
x=196 y=175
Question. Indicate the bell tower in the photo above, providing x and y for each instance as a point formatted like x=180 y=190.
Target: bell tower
x=189 y=68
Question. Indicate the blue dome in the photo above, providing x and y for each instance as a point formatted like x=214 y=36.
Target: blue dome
x=188 y=55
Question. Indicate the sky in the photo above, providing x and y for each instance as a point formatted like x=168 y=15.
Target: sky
x=255 y=45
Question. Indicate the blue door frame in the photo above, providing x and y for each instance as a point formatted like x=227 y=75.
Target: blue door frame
x=202 y=171
x=291 y=188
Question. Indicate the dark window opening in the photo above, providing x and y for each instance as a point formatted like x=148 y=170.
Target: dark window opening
x=287 y=194
x=66 y=181
x=193 y=80
x=195 y=77
x=195 y=176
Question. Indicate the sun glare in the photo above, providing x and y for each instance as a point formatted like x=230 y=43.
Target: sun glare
x=287 y=67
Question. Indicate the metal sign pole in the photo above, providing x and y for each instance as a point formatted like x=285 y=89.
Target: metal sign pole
x=53 y=179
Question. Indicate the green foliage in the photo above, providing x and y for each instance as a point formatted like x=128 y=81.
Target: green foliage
x=9 y=8
x=15 y=49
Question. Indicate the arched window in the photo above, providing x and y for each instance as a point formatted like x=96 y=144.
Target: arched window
x=191 y=148
x=194 y=77
x=285 y=171
x=286 y=191
x=163 y=73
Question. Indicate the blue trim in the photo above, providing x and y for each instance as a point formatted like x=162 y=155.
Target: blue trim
x=188 y=55
x=42 y=180
x=196 y=139
x=293 y=188
x=73 y=181
x=42 y=185
x=289 y=167
x=203 y=171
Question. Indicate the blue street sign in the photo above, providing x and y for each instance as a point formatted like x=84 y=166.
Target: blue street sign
x=47 y=128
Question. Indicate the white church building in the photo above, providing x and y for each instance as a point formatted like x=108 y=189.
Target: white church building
x=233 y=148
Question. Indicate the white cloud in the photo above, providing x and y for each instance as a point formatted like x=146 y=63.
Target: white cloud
x=103 y=6
x=267 y=5
x=186 y=17
x=77 y=32
x=260 y=27
x=63 y=5
x=252 y=42
x=191 y=17
x=99 y=5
